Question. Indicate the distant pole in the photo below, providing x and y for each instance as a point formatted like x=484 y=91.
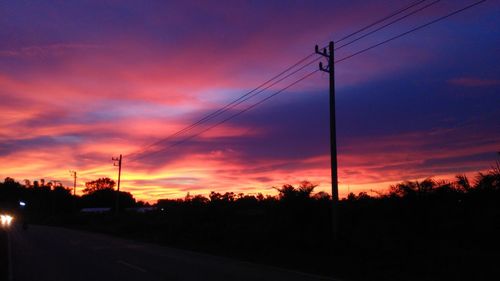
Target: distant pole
x=330 y=69
x=118 y=162
x=73 y=174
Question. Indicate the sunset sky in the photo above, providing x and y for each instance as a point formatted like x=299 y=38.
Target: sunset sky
x=83 y=81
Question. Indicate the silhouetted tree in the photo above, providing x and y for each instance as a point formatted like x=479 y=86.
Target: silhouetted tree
x=404 y=189
x=199 y=200
x=289 y=192
x=27 y=183
x=306 y=188
x=227 y=197
x=10 y=190
x=99 y=184
x=286 y=192
x=100 y=193
x=322 y=196
x=489 y=180
x=462 y=183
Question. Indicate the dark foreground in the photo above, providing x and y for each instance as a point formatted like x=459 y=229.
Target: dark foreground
x=3 y=256
x=419 y=230
x=56 y=254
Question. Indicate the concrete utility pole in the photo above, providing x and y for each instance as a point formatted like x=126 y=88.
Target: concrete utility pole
x=73 y=174
x=118 y=162
x=330 y=69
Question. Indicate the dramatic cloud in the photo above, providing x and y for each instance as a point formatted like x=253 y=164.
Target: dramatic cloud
x=81 y=82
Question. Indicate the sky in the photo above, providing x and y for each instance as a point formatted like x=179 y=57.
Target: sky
x=84 y=81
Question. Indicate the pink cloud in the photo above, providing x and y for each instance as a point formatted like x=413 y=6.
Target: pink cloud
x=64 y=82
x=45 y=51
x=474 y=82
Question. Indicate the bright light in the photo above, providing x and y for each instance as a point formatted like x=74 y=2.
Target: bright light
x=22 y=204
x=6 y=220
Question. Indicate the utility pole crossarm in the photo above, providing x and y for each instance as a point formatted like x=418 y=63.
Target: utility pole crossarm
x=327 y=55
x=322 y=53
x=324 y=69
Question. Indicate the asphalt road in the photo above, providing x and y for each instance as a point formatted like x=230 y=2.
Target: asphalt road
x=56 y=254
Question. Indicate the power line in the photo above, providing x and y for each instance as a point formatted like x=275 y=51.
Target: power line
x=388 y=24
x=311 y=73
x=236 y=114
x=411 y=30
x=234 y=104
x=395 y=13
x=223 y=109
x=251 y=93
x=338 y=61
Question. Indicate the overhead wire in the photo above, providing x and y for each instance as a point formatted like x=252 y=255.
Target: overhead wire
x=254 y=92
x=386 y=25
x=411 y=30
x=395 y=13
x=313 y=72
x=241 y=111
x=223 y=109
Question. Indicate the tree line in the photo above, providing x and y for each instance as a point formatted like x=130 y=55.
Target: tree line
x=417 y=230
x=48 y=199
